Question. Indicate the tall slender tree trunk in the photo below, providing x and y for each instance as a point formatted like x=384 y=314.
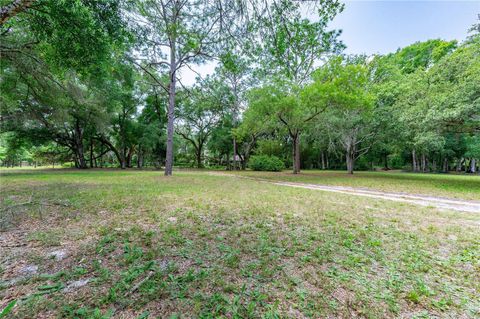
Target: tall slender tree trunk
x=459 y=165
x=323 y=160
x=171 y=110
x=234 y=154
x=296 y=153
x=101 y=155
x=473 y=166
x=139 y=157
x=91 y=153
x=79 y=146
x=414 y=161
x=445 y=164
x=423 y=163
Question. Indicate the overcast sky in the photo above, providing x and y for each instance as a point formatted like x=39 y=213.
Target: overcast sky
x=384 y=26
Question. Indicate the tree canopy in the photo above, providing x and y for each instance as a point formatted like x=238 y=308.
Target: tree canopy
x=100 y=83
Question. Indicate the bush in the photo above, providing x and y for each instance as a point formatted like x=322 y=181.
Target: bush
x=266 y=163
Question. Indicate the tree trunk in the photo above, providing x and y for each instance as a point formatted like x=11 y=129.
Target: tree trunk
x=445 y=165
x=101 y=156
x=350 y=161
x=473 y=167
x=75 y=159
x=323 y=160
x=414 y=161
x=91 y=153
x=13 y=8
x=434 y=165
x=422 y=163
x=296 y=153
x=171 y=110
x=234 y=154
x=199 y=157
x=79 y=146
x=385 y=159
x=139 y=157
x=459 y=165
x=129 y=157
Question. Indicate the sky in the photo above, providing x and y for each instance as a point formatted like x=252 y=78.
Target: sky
x=383 y=26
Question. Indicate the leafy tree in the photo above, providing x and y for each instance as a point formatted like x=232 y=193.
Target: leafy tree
x=345 y=82
x=290 y=48
x=199 y=112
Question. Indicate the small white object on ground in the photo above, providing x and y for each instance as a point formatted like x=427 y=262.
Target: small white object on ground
x=76 y=284
x=29 y=270
x=58 y=254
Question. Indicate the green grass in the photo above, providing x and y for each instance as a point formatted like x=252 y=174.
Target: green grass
x=445 y=185
x=202 y=245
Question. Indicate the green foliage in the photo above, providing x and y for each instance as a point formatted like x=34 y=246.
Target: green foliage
x=422 y=55
x=290 y=43
x=8 y=309
x=266 y=163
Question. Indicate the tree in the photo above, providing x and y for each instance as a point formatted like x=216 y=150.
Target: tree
x=50 y=57
x=176 y=34
x=402 y=83
x=220 y=142
x=13 y=8
x=234 y=71
x=199 y=113
x=345 y=85
x=290 y=47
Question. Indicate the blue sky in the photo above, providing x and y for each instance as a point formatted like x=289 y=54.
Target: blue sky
x=384 y=26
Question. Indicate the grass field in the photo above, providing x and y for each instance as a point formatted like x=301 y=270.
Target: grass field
x=135 y=244
x=445 y=185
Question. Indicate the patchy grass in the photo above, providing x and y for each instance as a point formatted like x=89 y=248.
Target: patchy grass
x=446 y=185
x=139 y=245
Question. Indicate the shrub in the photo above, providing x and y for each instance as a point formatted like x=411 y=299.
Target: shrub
x=266 y=163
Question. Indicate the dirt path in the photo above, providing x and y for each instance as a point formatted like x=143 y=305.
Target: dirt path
x=430 y=201
x=438 y=202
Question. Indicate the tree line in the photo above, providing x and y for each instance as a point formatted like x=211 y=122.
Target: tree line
x=99 y=84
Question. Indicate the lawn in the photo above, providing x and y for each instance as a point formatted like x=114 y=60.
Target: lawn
x=459 y=186
x=136 y=244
